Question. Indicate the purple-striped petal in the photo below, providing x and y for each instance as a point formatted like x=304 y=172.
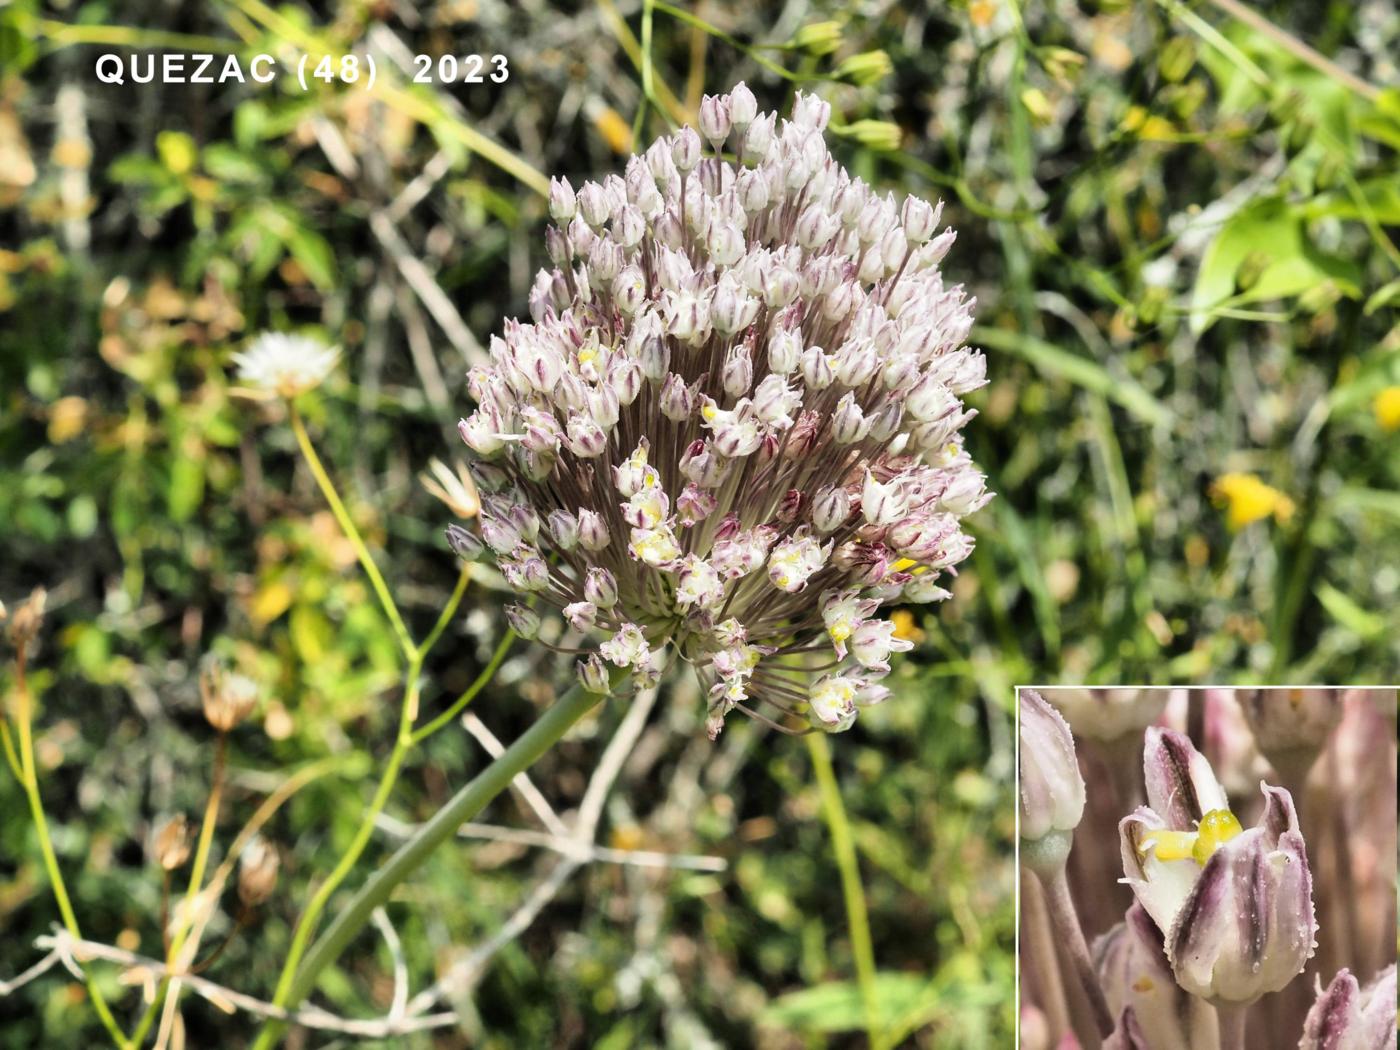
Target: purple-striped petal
x=1181 y=786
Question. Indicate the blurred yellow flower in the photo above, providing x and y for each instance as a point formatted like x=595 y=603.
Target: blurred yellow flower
x=1387 y=408
x=1247 y=499
x=906 y=627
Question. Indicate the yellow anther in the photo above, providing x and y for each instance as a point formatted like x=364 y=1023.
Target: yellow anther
x=1216 y=828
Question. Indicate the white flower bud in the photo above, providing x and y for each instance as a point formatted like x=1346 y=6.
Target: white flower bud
x=784 y=350
x=737 y=374
x=562 y=202
x=759 y=139
x=593 y=205
x=743 y=107
x=600 y=587
x=593 y=675
x=592 y=532
x=816 y=369
x=715 y=119
x=685 y=150
x=831 y=509
x=848 y=423
x=523 y=621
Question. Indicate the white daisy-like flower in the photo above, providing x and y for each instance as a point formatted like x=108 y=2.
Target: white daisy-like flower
x=286 y=365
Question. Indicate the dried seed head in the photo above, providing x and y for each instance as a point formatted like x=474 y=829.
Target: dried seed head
x=172 y=843
x=228 y=698
x=257 y=872
x=738 y=395
x=28 y=618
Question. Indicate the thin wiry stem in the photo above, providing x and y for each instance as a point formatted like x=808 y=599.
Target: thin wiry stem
x=342 y=517
x=29 y=780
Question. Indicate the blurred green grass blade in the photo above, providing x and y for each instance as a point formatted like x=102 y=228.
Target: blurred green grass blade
x=1081 y=371
x=1361 y=622
x=835 y=1006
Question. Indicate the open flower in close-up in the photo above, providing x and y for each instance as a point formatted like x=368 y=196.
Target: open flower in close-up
x=730 y=431
x=1234 y=905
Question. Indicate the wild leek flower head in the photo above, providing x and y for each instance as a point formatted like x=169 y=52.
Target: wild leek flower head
x=1348 y=1017
x=730 y=430
x=285 y=365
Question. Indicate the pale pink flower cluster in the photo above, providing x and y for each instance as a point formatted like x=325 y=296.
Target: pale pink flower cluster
x=731 y=433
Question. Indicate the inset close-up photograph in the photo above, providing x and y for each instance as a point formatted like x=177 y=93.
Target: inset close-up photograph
x=521 y=523
x=1207 y=868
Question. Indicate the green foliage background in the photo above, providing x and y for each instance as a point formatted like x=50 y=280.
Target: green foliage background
x=1181 y=237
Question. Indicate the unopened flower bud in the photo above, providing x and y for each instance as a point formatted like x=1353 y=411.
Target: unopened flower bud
x=919 y=219
x=562 y=202
x=594 y=676
x=737 y=374
x=685 y=150
x=600 y=587
x=759 y=139
x=743 y=107
x=523 y=620
x=592 y=531
x=831 y=509
x=1052 y=789
x=563 y=529
x=593 y=205
x=466 y=545
x=714 y=118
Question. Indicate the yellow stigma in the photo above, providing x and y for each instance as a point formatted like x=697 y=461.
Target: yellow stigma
x=1216 y=828
x=586 y=355
x=709 y=411
x=840 y=630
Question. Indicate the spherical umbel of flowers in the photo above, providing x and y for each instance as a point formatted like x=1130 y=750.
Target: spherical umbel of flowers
x=731 y=431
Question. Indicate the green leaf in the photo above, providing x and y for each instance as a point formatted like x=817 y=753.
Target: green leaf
x=1381 y=195
x=1082 y=371
x=836 y=1005
x=225 y=162
x=1346 y=612
x=1265 y=229
x=314 y=255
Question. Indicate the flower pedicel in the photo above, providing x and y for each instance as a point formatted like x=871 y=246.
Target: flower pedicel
x=731 y=432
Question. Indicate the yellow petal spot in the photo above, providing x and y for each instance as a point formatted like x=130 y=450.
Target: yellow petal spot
x=1143 y=984
x=1247 y=499
x=1387 y=408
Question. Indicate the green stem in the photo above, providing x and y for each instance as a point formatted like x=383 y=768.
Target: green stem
x=342 y=516
x=448 y=611
x=856 y=915
x=301 y=938
x=463 y=806
x=487 y=673
x=30 y=782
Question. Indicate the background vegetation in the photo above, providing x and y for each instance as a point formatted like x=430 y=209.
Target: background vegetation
x=1179 y=224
